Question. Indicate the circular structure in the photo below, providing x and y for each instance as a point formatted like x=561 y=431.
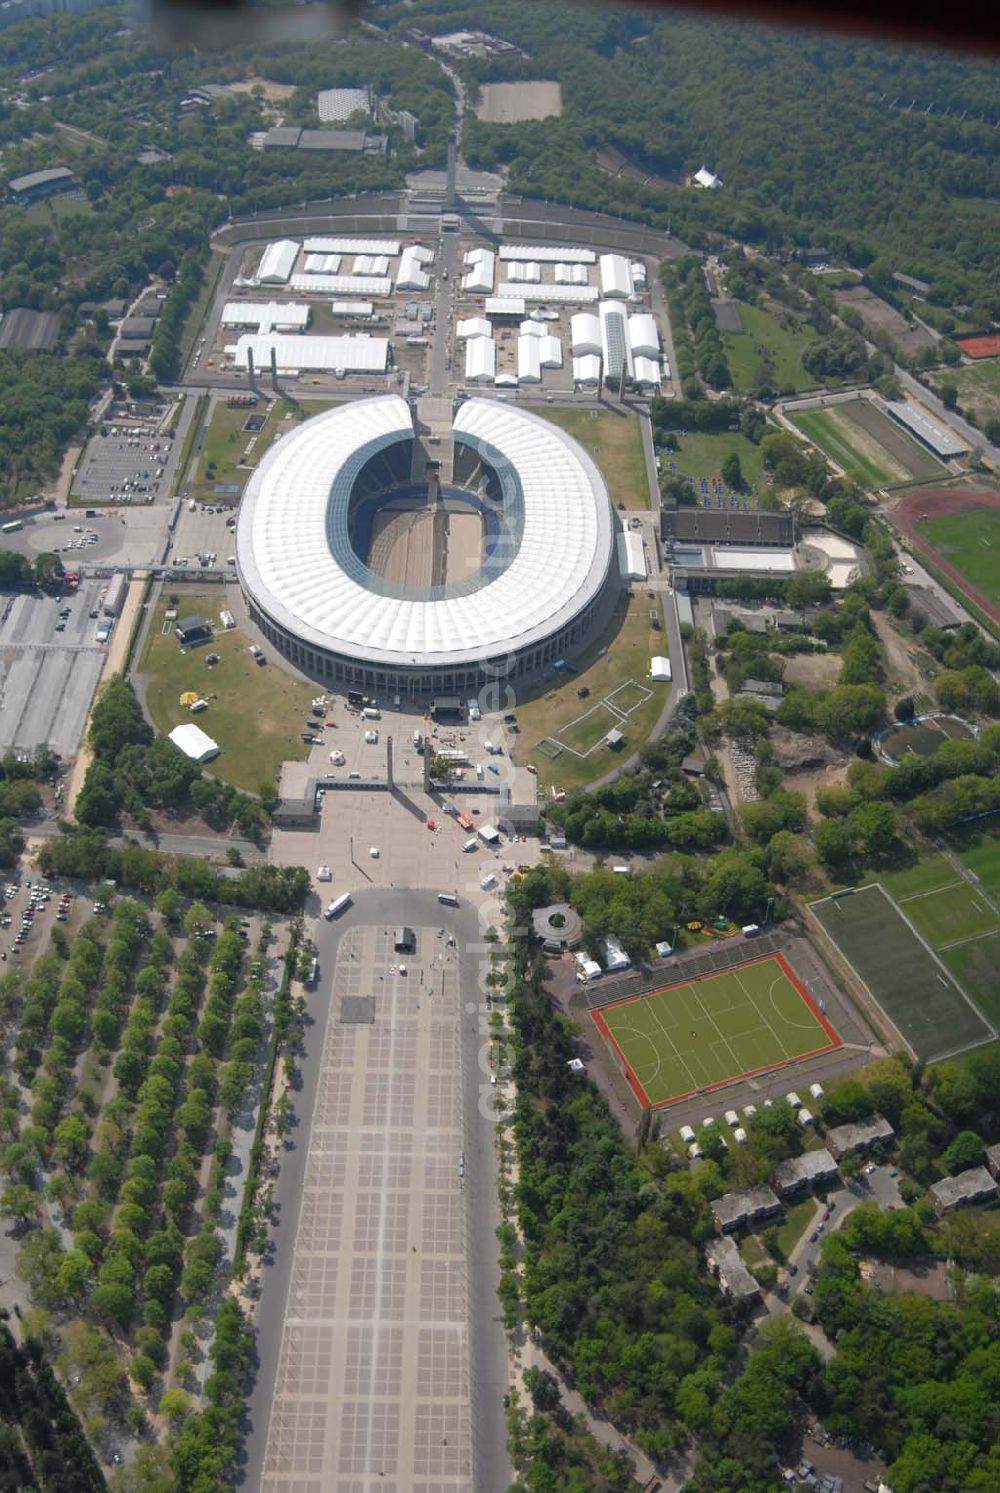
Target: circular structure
x=922 y=736
x=546 y=576
x=558 y=926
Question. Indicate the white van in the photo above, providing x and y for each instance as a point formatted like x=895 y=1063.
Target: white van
x=470 y=845
x=488 y=882
x=371 y=714
x=479 y=771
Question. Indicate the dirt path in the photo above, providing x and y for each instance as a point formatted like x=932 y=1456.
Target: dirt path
x=114 y=663
x=58 y=490
x=904 y=675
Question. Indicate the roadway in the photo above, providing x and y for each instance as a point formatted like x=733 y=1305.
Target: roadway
x=388 y=907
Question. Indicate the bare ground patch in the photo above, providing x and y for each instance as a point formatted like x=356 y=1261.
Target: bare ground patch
x=812 y=670
x=514 y=103
x=878 y=313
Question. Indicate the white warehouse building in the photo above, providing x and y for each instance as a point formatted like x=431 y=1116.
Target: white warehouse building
x=277 y=262
x=643 y=337
x=480 y=360
x=585 y=332
x=616 y=276
x=270 y=316
x=323 y=354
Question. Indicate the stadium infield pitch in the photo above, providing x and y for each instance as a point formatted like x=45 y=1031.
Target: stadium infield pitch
x=702 y=1034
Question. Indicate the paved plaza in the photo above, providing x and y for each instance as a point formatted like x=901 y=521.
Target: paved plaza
x=373 y=1379
x=48 y=678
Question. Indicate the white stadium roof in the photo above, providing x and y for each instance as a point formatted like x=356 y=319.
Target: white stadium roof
x=277 y=262
x=388 y=246
x=266 y=317
x=297 y=501
x=480 y=359
x=341 y=285
x=548 y=253
x=325 y=354
x=934 y=433
x=194 y=742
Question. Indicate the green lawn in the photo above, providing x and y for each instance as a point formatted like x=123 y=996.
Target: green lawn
x=927 y=1008
x=614 y=440
x=976 y=965
x=226 y=440
x=798 y=1217
x=698 y=1035
x=929 y=872
x=978 y=387
x=583 y=734
x=971 y=542
x=949 y=914
x=860 y=456
x=702 y=456
x=254 y=713
x=767 y=351
x=981 y=855
x=619 y=654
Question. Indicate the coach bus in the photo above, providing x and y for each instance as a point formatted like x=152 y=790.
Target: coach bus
x=338 y=905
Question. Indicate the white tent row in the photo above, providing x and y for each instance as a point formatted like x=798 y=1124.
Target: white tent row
x=480 y=359
x=410 y=275
x=352 y=308
x=473 y=326
x=548 y=253
x=352 y=246
x=322 y=264
x=571 y=274
x=631 y=558
x=338 y=285
x=587 y=369
x=496 y=305
x=616 y=276
x=561 y=294
x=647 y=371
x=480 y=276
x=643 y=337
x=526 y=271
x=585 y=332
x=324 y=354
x=277 y=262
x=370 y=264
x=272 y=316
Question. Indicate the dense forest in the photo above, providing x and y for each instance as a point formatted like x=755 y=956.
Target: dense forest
x=799 y=127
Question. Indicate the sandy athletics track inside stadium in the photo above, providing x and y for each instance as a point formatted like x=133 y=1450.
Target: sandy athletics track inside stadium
x=426 y=547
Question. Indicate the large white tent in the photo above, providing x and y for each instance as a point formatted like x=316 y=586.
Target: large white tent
x=585 y=332
x=548 y=253
x=194 y=742
x=338 y=285
x=277 y=262
x=324 y=354
x=270 y=316
x=642 y=335
x=388 y=246
x=616 y=276
x=480 y=359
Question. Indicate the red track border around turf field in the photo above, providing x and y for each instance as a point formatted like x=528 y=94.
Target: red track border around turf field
x=800 y=1057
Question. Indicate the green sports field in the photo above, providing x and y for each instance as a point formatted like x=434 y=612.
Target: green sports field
x=891 y=934
x=696 y=1036
x=970 y=541
x=870 y=447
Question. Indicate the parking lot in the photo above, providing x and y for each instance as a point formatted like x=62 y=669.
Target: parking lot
x=131 y=536
x=49 y=668
x=131 y=466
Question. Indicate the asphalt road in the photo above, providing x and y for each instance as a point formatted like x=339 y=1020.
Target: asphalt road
x=488 y=1367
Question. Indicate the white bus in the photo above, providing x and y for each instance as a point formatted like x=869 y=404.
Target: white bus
x=338 y=905
x=450 y=899
x=13 y=526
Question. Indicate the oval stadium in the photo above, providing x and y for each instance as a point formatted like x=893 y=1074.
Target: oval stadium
x=374 y=557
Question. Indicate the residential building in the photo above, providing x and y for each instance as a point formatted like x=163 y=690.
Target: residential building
x=811 y=1169
x=975 y=1185
x=864 y=1136
x=736 y=1210
x=734 y=1276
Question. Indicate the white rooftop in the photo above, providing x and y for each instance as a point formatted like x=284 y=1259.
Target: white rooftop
x=296 y=505
x=338 y=285
x=337 y=104
x=265 y=316
x=325 y=245
x=548 y=253
x=326 y=354
x=277 y=262
x=194 y=742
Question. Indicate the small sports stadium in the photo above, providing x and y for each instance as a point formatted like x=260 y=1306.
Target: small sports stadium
x=701 y=1034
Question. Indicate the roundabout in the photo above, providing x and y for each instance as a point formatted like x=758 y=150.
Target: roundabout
x=509 y=560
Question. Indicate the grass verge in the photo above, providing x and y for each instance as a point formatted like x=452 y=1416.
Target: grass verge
x=613 y=438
